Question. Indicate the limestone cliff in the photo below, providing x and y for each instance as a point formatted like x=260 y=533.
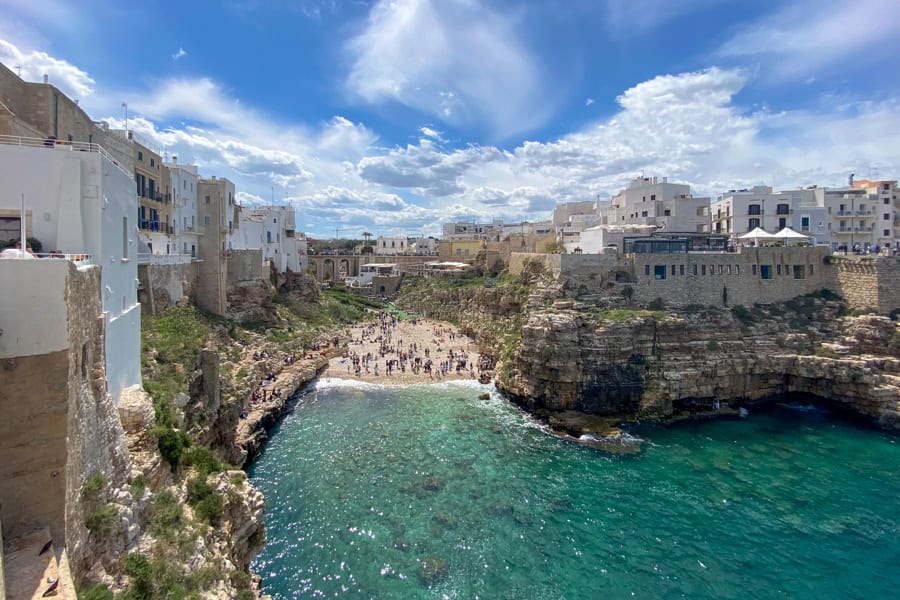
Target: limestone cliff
x=644 y=363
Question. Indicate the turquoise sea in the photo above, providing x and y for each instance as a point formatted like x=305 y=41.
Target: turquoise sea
x=429 y=492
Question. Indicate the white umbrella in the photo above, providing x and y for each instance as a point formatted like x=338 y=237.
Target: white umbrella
x=787 y=234
x=756 y=235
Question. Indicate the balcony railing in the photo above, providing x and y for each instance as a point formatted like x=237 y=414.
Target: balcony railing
x=148 y=225
x=146 y=258
x=14 y=140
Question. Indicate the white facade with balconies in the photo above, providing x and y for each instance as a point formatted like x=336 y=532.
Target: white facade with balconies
x=184 y=208
x=741 y=211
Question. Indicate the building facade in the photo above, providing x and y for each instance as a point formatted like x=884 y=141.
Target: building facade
x=741 y=211
x=85 y=206
x=660 y=204
x=217 y=213
x=886 y=209
x=184 y=185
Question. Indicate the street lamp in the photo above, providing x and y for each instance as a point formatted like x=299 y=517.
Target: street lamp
x=125 y=106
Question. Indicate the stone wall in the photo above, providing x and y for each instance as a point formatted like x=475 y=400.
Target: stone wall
x=59 y=424
x=162 y=286
x=868 y=281
x=727 y=278
x=245 y=265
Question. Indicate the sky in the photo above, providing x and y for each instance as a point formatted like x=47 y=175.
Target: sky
x=396 y=116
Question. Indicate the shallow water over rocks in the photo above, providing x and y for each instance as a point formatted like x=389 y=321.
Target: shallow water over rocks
x=430 y=492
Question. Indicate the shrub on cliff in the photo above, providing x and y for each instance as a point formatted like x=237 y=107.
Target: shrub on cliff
x=171 y=444
x=207 y=505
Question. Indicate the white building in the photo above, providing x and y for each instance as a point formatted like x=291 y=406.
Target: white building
x=424 y=246
x=184 y=207
x=391 y=245
x=740 y=211
x=469 y=230
x=886 y=208
x=852 y=216
x=84 y=204
x=648 y=201
x=272 y=229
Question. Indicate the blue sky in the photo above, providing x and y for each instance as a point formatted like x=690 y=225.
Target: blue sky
x=397 y=116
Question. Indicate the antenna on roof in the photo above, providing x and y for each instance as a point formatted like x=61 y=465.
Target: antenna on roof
x=19 y=69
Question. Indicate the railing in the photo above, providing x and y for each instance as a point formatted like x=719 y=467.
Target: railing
x=14 y=140
x=145 y=258
x=81 y=260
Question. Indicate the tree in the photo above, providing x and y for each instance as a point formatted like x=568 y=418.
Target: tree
x=367 y=235
x=555 y=248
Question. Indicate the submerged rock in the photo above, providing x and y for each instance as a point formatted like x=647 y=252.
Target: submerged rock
x=432 y=570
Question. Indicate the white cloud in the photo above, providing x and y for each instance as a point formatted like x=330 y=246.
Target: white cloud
x=589 y=101
x=808 y=35
x=457 y=60
x=629 y=16
x=180 y=53
x=35 y=64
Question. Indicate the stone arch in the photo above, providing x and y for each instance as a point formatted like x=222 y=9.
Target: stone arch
x=328 y=270
x=314 y=269
x=344 y=268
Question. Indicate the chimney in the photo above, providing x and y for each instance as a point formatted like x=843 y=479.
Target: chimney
x=174 y=160
x=46 y=79
x=665 y=180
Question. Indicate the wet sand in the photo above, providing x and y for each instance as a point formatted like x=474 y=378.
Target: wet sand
x=387 y=339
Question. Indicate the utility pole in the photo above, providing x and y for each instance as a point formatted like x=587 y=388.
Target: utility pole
x=125 y=106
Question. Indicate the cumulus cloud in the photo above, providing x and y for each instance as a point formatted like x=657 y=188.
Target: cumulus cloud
x=808 y=35
x=457 y=60
x=180 y=53
x=35 y=64
x=589 y=101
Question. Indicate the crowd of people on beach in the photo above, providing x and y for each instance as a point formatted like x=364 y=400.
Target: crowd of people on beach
x=436 y=358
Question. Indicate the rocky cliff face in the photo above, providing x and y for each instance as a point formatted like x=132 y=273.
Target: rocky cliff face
x=641 y=363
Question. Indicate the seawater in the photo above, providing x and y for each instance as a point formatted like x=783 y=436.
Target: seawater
x=365 y=483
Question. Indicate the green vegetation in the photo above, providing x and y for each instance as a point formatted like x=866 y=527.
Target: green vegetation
x=166 y=516
x=826 y=353
x=92 y=486
x=745 y=316
x=102 y=520
x=657 y=304
x=34 y=243
x=138 y=486
x=623 y=315
x=203 y=460
x=171 y=444
x=95 y=592
x=157 y=578
x=207 y=505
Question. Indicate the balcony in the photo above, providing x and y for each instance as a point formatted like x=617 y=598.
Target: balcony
x=148 y=225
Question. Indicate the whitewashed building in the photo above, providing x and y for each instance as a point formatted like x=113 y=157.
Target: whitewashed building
x=83 y=204
x=398 y=244
x=272 y=229
x=184 y=207
x=663 y=205
x=740 y=211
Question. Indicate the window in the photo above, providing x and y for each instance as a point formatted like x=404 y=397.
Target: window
x=729 y=270
x=673 y=269
x=782 y=223
x=152 y=163
x=703 y=269
x=652 y=196
x=667 y=213
x=206 y=220
x=886 y=232
x=799 y=272
x=753 y=224
x=207 y=199
x=754 y=209
x=719 y=269
x=646 y=269
x=644 y=213
x=140 y=156
x=783 y=209
x=778 y=269
x=695 y=269
x=659 y=272
x=804 y=223
x=887 y=200
x=753 y=269
x=737 y=269
x=887 y=216
x=681 y=269
x=765 y=271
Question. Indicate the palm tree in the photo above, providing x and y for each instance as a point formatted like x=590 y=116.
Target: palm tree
x=367 y=235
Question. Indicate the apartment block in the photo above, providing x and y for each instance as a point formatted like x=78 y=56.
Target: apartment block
x=886 y=209
x=650 y=202
x=184 y=182
x=740 y=211
x=218 y=216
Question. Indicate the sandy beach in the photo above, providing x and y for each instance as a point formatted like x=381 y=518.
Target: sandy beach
x=389 y=350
